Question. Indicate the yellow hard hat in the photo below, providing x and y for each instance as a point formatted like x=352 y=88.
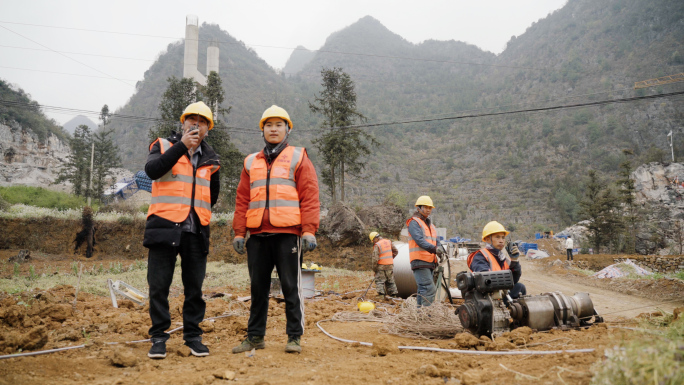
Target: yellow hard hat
x=424 y=201
x=199 y=108
x=314 y=267
x=373 y=235
x=365 y=306
x=493 y=227
x=303 y=265
x=275 y=112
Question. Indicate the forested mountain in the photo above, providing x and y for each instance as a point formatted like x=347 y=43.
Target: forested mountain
x=20 y=112
x=525 y=169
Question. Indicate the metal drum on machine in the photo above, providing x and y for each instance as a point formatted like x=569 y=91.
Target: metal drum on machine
x=403 y=275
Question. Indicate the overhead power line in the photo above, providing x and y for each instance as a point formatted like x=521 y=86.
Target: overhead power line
x=562 y=107
x=251 y=130
x=68 y=57
x=277 y=47
x=64 y=73
x=130 y=118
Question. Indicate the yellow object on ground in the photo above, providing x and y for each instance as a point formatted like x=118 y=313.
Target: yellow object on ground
x=304 y=266
x=314 y=267
x=365 y=306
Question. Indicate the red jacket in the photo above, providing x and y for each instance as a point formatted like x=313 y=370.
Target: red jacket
x=309 y=205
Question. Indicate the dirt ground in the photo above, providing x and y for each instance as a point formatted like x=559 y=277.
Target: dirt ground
x=40 y=320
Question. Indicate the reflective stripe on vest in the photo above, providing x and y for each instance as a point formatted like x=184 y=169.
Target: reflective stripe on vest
x=491 y=259
x=385 y=254
x=430 y=235
x=274 y=187
x=172 y=192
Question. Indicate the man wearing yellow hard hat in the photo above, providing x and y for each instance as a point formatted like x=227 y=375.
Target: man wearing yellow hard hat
x=383 y=265
x=423 y=251
x=277 y=203
x=185 y=174
x=493 y=257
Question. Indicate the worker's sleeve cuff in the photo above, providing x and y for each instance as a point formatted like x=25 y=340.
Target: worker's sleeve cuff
x=307 y=233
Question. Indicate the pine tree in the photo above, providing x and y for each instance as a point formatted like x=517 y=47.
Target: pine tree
x=106 y=155
x=178 y=95
x=341 y=148
x=600 y=208
x=77 y=168
x=627 y=194
x=219 y=139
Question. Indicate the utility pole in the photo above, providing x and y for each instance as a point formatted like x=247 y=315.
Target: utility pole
x=90 y=184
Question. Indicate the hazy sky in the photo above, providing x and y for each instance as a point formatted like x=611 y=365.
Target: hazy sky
x=93 y=68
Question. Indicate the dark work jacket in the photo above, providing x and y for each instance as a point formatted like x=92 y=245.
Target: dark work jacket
x=480 y=263
x=160 y=231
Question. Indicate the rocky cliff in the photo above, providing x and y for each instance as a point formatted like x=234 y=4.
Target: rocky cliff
x=659 y=191
x=27 y=161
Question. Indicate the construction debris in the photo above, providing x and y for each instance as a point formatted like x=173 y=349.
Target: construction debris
x=622 y=269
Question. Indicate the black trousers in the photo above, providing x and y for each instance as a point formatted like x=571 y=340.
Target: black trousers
x=161 y=263
x=569 y=254
x=281 y=251
x=517 y=290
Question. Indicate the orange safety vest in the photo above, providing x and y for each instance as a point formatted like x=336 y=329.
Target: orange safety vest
x=493 y=263
x=385 y=256
x=274 y=187
x=430 y=234
x=172 y=193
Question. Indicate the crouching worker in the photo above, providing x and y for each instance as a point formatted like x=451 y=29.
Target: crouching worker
x=383 y=265
x=277 y=202
x=493 y=258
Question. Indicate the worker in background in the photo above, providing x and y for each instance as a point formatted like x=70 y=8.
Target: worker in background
x=493 y=257
x=569 y=247
x=383 y=265
x=423 y=251
x=277 y=203
x=185 y=170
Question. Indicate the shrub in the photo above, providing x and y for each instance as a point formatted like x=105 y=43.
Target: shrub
x=40 y=197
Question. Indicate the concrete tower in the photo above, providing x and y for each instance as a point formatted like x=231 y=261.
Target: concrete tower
x=213 y=56
x=192 y=51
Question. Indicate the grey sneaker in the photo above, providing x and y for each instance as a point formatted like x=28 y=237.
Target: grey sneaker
x=251 y=342
x=293 y=345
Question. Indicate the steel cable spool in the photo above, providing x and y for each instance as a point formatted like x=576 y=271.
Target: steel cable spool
x=403 y=275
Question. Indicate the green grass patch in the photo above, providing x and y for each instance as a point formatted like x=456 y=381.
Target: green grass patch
x=40 y=197
x=94 y=279
x=653 y=357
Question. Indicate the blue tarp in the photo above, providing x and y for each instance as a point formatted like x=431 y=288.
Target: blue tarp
x=458 y=239
x=143 y=181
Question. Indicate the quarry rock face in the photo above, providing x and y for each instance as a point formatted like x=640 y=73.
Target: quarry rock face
x=26 y=161
x=660 y=192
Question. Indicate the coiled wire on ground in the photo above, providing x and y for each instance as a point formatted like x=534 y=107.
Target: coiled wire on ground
x=429 y=322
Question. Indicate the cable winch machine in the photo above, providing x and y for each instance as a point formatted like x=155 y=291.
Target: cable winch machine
x=489 y=310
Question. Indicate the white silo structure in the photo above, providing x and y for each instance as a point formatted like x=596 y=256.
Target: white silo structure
x=190 y=59
x=213 y=56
